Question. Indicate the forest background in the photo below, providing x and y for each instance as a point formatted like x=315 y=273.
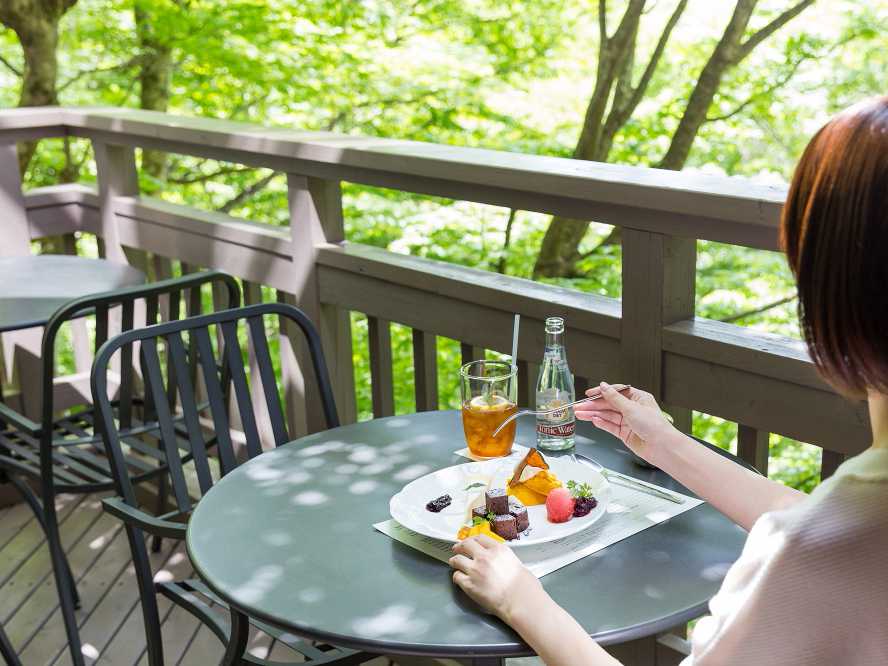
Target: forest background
x=729 y=87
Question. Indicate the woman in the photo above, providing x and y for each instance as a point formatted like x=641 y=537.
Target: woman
x=811 y=586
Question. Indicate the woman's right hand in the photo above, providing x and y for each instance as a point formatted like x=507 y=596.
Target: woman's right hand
x=635 y=418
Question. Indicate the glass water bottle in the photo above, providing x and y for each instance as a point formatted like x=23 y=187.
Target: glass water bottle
x=555 y=431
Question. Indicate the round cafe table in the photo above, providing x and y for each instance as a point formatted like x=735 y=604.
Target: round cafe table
x=33 y=287
x=287 y=538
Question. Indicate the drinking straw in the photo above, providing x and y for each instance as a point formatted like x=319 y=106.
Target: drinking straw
x=515 y=341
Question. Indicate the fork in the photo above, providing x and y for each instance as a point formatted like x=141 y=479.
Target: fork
x=628 y=481
x=538 y=412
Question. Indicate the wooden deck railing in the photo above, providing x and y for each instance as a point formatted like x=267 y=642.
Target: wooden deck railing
x=650 y=338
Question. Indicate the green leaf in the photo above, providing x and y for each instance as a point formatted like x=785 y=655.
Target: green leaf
x=579 y=489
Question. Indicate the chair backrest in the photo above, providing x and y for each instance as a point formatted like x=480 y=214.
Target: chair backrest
x=160 y=301
x=183 y=426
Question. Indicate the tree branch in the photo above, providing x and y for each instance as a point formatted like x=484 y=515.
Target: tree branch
x=12 y=68
x=762 y=93
x=507 y=240
x=246 y=193
x=786 y=78
x=758 y=310
x=761 y=35
x=132 y=62
x=629 y=23
x=654 y=60
x=388 y=101
x=624 y=105
x=602 y=22
x=222 y=171
x=623 y=83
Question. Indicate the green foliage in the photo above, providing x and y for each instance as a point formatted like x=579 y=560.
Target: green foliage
x=485 y=73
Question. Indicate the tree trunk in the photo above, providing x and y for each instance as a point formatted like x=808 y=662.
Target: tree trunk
x=724 y=56
x=39 y=42
x=155 y=74
x=36 y=24
x=559 y=251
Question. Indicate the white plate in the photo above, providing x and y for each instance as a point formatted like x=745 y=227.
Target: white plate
x=408 y=507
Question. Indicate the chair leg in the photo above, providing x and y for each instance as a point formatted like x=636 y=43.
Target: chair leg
x=7 y=652
x=162 y=495
x=147 y=595
x=237 y=641
x=25 y=491
x=62 y=578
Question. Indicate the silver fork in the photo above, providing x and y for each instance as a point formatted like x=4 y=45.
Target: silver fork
x=538 y=412
x=628 y=481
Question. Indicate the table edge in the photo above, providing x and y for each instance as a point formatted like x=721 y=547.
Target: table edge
x=517 y=649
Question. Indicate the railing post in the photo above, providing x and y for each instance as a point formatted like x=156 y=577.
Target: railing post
x=315 y=219
x=528 y=373
x=382 y=385
x=425 y=370
x=20 y=350
x=829 y=463
x=15 y=233
x=658 y=289
x=117 y=176
x=469 y=353
x=753 y=447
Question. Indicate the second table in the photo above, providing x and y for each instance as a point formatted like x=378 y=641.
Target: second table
x=33 y=287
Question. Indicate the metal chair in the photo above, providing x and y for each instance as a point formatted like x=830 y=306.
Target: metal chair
x=6 y=650
x=167 y=340
x=62 y=454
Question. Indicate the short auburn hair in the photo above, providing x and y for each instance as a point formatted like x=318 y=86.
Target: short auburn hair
x=834 y=230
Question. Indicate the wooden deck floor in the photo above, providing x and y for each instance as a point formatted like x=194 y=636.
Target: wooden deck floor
x=110 y=617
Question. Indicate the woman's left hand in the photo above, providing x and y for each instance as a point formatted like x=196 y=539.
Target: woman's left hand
x=493 y=576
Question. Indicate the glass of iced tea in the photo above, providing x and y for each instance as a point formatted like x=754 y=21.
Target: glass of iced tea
x=489 y=390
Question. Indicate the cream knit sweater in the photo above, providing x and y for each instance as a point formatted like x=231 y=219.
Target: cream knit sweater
x=811 y=586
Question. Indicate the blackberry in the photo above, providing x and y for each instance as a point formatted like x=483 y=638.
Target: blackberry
x=437 y=505
x=584 y=505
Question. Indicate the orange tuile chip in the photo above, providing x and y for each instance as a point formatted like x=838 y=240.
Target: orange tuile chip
x=536 y=488
x=533 y=458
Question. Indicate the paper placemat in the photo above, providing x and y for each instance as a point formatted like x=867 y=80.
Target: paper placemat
x=629 y=512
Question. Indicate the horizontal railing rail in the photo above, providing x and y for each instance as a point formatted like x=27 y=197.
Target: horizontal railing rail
x=650 y=337
x=731 y=210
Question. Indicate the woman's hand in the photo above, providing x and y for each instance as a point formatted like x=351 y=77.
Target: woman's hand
x=635 y=418
x=491 y=574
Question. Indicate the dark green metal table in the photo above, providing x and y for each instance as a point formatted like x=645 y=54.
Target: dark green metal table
x=288 y=538
x=32 y=288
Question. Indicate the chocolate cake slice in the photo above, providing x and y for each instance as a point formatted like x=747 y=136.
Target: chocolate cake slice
x=505 y=526
x=497 y=501
x=480 y=512
x=519 y=511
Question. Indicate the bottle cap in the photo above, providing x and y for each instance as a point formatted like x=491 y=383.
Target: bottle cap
x=554 y=325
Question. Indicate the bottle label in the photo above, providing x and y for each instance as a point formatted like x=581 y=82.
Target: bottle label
x=560 y=430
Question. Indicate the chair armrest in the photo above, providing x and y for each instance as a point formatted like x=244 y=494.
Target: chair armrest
x=145 y=521
x=9 y=415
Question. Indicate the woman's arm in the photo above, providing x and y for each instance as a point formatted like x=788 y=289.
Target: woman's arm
x=740 y=494
x=491 y=574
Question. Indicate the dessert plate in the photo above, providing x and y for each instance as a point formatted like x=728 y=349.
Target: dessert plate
x=465 y=482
